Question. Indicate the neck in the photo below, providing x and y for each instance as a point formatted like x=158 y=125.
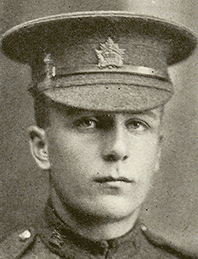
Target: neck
x=89 y=226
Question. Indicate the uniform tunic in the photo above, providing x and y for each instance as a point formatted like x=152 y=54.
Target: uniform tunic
x=54 y=240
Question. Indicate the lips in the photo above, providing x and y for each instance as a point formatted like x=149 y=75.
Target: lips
x=112 y=179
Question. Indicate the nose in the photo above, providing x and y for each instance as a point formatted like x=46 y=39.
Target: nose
x=115 y=145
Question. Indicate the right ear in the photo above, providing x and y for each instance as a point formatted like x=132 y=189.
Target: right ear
x=39 y=147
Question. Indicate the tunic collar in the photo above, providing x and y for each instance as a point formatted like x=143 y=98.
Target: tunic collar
x=60 y=239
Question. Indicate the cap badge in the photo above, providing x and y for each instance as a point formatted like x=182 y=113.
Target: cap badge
x=110 y=55
x=49 y=68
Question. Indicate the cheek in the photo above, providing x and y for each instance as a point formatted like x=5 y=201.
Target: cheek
x=66 y=175
x=145 y=157
x=145 y=166
x=70 y=153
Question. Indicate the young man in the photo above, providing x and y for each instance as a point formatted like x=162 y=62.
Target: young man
x=100 y=83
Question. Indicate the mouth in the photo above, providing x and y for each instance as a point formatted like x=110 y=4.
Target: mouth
x=110 y=179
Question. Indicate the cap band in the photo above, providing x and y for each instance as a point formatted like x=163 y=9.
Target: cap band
x=139 y=70
x=87 y=69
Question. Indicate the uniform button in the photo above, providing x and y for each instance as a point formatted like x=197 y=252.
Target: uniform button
x=24 y=235
x=144 y=228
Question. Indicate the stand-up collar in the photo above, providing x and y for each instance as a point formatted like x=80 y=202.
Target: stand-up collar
x=59 y=238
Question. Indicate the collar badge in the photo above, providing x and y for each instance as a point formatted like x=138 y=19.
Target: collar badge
x=110 y=55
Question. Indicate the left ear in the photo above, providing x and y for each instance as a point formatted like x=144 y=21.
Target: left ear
x=39 y=147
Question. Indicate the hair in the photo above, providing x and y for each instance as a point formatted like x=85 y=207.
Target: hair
x=42 y=106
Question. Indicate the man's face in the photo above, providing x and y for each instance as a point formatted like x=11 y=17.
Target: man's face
x=102 y=163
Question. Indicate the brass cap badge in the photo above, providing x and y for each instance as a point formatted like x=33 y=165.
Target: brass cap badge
x=110 y=55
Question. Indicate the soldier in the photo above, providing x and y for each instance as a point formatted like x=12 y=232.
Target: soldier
x=100 y=83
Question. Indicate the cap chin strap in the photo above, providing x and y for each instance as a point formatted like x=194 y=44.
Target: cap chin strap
x=90 y=69
x=139 y=70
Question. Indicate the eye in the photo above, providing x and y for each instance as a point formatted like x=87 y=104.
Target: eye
x=86 y=123
x=137 y=125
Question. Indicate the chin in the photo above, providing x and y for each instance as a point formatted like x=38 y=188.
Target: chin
x=114 y=208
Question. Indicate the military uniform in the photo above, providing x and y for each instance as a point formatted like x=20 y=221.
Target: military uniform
x=54 y=240
x=109 y=61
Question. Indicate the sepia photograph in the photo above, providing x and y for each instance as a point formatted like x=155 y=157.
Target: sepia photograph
x=99 y=129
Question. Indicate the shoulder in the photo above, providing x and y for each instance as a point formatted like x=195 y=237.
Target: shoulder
x=15 y=244
x=167 y=248
x=25 y=244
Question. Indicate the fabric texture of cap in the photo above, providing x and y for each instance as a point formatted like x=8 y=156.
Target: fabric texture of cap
x=101 y=60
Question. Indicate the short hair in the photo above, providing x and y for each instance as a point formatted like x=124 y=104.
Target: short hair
x=42 y=106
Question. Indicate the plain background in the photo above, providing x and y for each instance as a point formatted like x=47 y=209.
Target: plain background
x=172 y=206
